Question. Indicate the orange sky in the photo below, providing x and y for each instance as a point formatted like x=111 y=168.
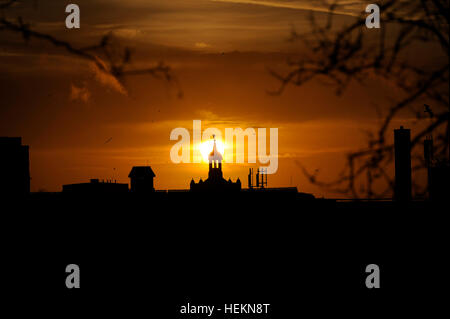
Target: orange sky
x=66 y=112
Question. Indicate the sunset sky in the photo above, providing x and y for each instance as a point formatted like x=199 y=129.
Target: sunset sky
x=220 y=51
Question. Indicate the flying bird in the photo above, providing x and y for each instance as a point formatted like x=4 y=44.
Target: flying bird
x=108 y=140
x=428 y=110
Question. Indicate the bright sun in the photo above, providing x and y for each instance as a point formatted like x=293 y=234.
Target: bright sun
x=207 y=146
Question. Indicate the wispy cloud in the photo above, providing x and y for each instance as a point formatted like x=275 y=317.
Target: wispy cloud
x=107 y=79
x=351 y=8
x=202 y=45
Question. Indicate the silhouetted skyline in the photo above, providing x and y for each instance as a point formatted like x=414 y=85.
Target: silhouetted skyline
x=84 y=124
x=16 y=174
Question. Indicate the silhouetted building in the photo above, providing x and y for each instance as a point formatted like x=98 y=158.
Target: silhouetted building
x=402 y=145
x=428 y=157
x=428 y=151
x=141 y=179
x=438 y=173
x=14 y=167
x=439 y=189
x=95 y=187
x=215 y=180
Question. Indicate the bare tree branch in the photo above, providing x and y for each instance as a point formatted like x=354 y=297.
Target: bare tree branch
x=349 y=54
x=102 y=55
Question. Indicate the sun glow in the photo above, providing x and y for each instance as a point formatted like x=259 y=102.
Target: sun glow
x=207 y=146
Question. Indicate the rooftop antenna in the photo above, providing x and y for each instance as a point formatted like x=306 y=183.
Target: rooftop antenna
x=266 y=177
x=263 y=177
x=257 y=178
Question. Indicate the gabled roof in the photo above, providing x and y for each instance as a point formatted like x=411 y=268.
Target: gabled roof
x=141 y=171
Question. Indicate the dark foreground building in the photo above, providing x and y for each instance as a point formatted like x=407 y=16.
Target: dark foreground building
x=14 y=167
x=439 y=178
x=95 y=187
x=402 y=145
x=438 y=173
x=141 y=179
x=215 y=180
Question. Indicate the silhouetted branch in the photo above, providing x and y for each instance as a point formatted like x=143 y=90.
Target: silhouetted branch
x=101 y=55
x=349 y=54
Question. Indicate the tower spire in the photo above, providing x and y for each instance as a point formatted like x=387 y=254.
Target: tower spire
x=215 y=155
